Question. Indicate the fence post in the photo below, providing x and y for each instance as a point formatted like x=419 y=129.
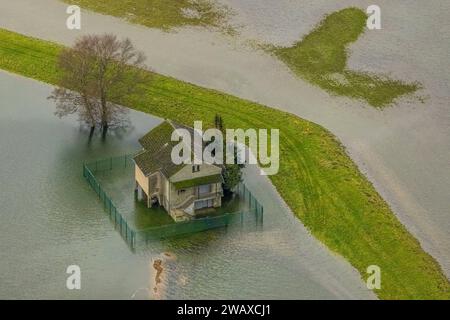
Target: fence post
x=262 y=215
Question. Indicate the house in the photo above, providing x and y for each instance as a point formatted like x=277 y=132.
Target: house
x=184 y=190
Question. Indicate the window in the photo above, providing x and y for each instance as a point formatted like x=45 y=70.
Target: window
x=204 y=189
x=196 y=168
x=181 y=191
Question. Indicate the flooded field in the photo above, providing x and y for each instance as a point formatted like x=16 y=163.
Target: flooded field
x=52 y=219
x=404 y=149
x=119 y=184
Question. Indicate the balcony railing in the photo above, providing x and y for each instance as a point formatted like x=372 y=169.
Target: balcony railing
x=208 y=195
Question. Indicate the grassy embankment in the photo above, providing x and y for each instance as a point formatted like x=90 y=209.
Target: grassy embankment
x=317 y=179
x=163 y=14
x=321 y=58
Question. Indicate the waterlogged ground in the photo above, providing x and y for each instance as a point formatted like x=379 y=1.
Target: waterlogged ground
x=404 y=150
x=51 y=218
x=119 y=184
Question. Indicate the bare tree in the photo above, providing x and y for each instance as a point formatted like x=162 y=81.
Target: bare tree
x=96 y=74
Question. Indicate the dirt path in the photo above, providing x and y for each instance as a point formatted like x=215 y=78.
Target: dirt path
x=403 y=150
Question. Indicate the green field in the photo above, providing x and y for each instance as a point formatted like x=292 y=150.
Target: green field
x=321 y=58
x=317 y=179
x=162 y=14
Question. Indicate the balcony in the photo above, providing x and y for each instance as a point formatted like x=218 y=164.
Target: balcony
x=208 y=195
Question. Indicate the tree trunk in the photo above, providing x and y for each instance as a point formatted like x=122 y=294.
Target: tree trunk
x=104 y=129
x=104 y=114
x=91 y=133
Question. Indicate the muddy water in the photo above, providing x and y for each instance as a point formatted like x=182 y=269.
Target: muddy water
x=404 y=150
x=51 y=219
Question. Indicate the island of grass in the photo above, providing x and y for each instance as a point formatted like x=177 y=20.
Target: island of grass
x=317 y=179
x=321 y=58
x=162 y=14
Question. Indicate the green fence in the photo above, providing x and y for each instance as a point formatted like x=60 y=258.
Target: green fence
x=254 y=211
x=120 y=223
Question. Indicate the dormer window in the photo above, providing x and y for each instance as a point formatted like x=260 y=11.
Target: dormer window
x=196 y=168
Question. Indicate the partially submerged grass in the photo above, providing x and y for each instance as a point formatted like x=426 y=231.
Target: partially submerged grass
x=163 y=14
x=119 y=184
x=317 y=179
x=321 y=58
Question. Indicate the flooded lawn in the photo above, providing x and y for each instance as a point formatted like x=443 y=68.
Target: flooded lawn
x=119 y=184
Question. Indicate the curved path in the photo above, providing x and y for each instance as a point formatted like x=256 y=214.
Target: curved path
x=403 y=150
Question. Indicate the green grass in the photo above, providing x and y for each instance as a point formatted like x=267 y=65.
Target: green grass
x=321 y=58
x=144 y=218
x=317 y=179
x=162 y=14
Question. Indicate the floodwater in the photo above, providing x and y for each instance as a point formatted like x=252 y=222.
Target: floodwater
x=403 y=150
x=50 y=219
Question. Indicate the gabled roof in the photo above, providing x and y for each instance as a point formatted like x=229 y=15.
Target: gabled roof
x=157 y=151
x=150 y=162
x=155 y=139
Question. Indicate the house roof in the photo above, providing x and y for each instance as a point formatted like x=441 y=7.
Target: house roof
x=158 y=147
x=156 y=138
x=150 y=162
x=156 y=155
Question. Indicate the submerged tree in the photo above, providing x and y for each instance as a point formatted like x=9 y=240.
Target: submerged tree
x=96 y=74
